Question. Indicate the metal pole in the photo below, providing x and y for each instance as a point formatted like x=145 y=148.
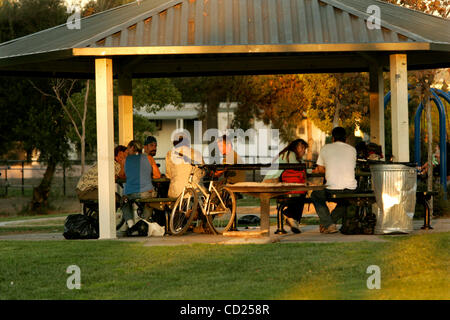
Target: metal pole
x=23 y=178
x=6 y=179
x=430 y=152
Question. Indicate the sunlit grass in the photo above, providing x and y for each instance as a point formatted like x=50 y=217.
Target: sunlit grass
x=412 y=267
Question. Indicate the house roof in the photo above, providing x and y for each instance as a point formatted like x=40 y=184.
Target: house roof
x=188 y=111
x=192 y=37
x=170 y=112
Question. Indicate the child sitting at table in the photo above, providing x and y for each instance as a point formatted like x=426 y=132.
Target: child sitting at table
x=293 y=153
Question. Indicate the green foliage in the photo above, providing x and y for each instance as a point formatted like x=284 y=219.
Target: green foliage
x=25 y=113
x=209 y=91
x=142 y=127
x=23 y=17
x=285 y=100
x=278 y=100
x=95 y=6
x=47 y=128
x=155 y=93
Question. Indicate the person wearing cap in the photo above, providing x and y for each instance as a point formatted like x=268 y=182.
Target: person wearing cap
x=179 y=162
x=150 y=146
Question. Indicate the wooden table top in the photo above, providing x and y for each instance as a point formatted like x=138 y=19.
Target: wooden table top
x=278 y=187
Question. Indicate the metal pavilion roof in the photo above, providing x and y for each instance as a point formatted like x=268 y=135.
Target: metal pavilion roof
x=190 y=37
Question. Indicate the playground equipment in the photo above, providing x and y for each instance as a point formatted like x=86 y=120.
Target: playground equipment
x=436 y=94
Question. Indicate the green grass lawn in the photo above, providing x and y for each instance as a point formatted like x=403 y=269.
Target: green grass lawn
x=412 y=267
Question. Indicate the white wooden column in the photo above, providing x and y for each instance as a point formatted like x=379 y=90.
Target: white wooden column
x=125 y=99
x=399 y=107
x=105 y=147
x=376 y=98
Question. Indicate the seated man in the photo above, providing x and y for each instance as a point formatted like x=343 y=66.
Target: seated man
x=179 y=162
x=139 y=182
x=87 y=187
x=230 y=156
x=338 y=161
x=150 y=146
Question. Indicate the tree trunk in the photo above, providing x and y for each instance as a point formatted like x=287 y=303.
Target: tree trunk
x=337 y=111
x=83 y=129
x=310 y=139
x=83 y=153
x=39 y=203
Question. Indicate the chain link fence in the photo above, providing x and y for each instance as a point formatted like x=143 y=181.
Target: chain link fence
x=19 y=177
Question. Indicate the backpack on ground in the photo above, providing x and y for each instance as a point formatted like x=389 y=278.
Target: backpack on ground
x=358 y=222
x=141 y=227
x=80 y=226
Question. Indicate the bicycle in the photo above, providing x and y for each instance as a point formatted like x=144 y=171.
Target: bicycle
x=217 y=205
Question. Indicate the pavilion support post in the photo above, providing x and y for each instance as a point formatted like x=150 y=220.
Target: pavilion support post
x=399 y=106
x=376 y=98
x=125 y=99
x=105 y=147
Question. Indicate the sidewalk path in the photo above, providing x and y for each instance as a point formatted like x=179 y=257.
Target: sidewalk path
x=310 y=233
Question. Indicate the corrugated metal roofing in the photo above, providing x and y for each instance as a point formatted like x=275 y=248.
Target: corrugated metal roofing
x=242 y=22
x=213 y=27
x=236 y=22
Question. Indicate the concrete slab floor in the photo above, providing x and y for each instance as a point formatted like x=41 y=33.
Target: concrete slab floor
x=310 y=233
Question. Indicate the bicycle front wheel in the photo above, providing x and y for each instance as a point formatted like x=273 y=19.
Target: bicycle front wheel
x=220 y=218
x=183 y=212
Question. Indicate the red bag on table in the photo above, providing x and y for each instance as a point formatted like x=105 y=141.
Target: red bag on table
x=294 y=176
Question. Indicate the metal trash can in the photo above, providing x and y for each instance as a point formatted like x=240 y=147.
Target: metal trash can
x=395 y=188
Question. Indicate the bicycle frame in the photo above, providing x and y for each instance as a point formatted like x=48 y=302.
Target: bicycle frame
x=205 y=197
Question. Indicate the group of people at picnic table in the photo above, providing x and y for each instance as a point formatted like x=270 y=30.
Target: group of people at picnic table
x=336 y=161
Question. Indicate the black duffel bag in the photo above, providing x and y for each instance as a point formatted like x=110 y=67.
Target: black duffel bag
x=80 y=226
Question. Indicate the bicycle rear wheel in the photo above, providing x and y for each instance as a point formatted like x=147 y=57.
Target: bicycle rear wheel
x=183 y=212
x=221 y=219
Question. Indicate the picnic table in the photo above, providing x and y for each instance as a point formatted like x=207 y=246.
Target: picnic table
x=266 y=191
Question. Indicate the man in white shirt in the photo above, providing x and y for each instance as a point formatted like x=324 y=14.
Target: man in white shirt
x=338 y=161
x=179 y=162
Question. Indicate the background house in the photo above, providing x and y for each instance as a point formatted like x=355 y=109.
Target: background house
x=258 y=150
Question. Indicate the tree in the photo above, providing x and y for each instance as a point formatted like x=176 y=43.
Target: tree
x=83 y=107
x=338 y=100
x=278 y=100
x=437 y=7
x=23 y=17
x=209 y=92
x=32 y=118
x=155 y=93
x=284 y=100
x=47 y=127
x=62 y=91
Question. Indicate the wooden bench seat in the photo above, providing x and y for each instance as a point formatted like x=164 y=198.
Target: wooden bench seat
x=158 y=203
x=362 y=199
